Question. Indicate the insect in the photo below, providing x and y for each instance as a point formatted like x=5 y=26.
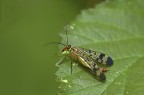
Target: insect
x=86 y=57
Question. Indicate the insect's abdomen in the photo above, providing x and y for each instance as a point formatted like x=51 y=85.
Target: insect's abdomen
x=100 y=57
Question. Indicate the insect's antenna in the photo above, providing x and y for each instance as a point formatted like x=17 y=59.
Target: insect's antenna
x=55 y=43
x=66 y=30
x=66 y=34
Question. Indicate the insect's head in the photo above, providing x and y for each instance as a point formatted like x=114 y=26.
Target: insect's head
x=66 y=50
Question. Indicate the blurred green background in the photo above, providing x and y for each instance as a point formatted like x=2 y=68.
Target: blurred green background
x=28 y=68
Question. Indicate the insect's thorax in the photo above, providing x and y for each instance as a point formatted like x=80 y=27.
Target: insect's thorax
x=75 y=52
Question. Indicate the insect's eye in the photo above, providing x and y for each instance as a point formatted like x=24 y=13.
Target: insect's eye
x=63 y=50
x=66 y=49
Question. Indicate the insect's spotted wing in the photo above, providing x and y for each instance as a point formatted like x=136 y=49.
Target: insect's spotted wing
x=99 y=57
x=88 y=62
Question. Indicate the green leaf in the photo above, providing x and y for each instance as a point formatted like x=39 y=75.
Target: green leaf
x=115 y=28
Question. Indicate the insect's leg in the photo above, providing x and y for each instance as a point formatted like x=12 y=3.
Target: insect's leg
x=71 y=67
x=62 y=60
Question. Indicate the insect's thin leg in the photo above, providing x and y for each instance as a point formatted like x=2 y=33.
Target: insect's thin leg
x=62 y=60
x=71 y=67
